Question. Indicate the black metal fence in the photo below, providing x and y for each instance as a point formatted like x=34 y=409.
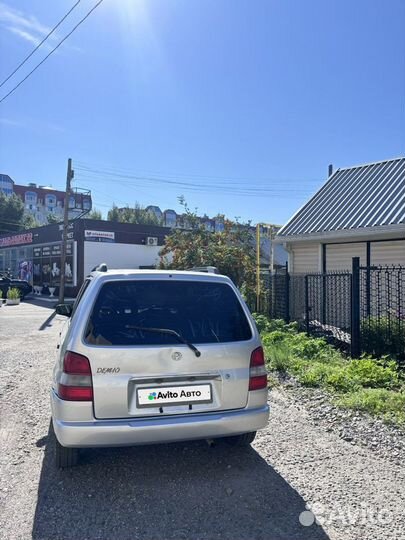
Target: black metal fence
x=382 y=310
x=360 y=311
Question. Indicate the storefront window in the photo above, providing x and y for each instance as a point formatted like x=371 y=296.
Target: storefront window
x=46 y=265
x=24 y=268
x=39 y=265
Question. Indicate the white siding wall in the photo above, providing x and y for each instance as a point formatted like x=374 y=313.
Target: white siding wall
x=388 y=253
x=305 y=258
x=339 y=256
x=119 y=255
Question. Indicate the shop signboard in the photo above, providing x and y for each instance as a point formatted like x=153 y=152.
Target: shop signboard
x=99 y=236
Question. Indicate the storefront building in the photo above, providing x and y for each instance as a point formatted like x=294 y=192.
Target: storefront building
x=35 y=254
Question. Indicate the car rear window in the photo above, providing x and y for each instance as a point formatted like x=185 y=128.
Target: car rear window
x=201 y=312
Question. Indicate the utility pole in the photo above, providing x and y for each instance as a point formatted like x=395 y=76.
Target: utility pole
x=271 y=230
x=69 y=176
x=271 y=248
x=258 y=268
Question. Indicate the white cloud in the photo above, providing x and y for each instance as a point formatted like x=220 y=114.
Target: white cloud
x=26 y=27
x=25 y=35
x=11 y=17
x=9 y=122
x=29 y=28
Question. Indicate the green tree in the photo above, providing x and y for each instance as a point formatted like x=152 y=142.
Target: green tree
x=232 y=250
x=113 y=214
x=95 y=214
x=51 y=218
x=29 y=222
x=137 y=215
x=11 y=213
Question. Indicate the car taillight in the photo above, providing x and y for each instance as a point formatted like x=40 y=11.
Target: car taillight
x=76 y=383
x=257 y=371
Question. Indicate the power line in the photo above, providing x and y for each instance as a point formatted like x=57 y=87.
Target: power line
x=173 y=180
x=51 y=52
x=209 y=189
x=119 y=170
x=127 y=180
x=40 y=44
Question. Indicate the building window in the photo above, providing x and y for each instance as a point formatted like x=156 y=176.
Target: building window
x=6 y=185
x=30 y=197
x=50 y=200
x=170 y=218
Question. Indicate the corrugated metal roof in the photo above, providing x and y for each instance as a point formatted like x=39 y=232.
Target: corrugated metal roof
x=364 y=196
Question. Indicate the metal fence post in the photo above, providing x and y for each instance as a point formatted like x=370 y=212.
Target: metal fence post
x=355 y=309
x=368 y=280
x=323 y=297
x=307 y=304
x=287 y=294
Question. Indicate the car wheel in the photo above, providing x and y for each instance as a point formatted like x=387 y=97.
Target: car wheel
x=241 y=440
x=65 y=457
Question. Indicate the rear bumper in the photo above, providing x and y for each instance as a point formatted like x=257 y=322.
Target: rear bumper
x=131 y=432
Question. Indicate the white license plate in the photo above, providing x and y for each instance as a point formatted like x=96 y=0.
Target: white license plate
x=173 y=395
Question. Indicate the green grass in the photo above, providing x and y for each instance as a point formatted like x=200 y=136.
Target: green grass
x=278 y=357
x=367 y=384
x=386 y=404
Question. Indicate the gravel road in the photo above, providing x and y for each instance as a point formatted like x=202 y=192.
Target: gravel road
x=189 y=490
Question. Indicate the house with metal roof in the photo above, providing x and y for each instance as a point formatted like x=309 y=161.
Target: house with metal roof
x=359 y=212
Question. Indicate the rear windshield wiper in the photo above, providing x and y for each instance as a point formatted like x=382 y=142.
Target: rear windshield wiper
x=166 y=331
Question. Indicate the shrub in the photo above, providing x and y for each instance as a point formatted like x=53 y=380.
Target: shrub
x=274 y=337
x=312 y=374
x=340 y=381
x=369 y=372
x=13 y=293
x=380 y=335
x=310 y=348
x=262 y=322
x=266 y=325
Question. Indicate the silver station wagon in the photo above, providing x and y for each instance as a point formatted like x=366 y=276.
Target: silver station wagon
x=149 y=356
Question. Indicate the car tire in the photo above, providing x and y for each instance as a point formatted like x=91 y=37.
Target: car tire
x=65 y=457
x=241 y=440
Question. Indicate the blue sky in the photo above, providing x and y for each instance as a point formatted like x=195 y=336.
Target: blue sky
x=248 y=100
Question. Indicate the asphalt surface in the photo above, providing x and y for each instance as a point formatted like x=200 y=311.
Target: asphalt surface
x=177 y=491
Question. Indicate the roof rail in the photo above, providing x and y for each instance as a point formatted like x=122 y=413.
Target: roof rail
x=207 y=269
x=102 y=267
